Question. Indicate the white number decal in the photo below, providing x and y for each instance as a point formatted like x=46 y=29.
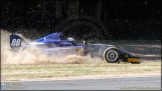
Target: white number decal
x=15 y=42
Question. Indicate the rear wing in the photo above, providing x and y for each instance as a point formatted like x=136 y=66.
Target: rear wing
x=15 y=42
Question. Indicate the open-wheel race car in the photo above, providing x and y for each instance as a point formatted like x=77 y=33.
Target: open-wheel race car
x=56 y=41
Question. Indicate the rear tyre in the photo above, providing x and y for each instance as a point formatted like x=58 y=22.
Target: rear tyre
x=111 y=56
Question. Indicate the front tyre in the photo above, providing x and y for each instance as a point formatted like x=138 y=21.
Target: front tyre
x=111 y=55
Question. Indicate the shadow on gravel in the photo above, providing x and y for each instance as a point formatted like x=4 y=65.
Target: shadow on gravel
x=146 y=50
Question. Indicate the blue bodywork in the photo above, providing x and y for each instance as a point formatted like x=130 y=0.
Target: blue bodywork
x=56 y=41
x=48 y=43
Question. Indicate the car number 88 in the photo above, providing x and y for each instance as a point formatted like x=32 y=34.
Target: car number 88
x=15 y=42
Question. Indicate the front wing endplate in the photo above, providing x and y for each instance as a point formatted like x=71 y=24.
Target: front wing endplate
x=133 y=59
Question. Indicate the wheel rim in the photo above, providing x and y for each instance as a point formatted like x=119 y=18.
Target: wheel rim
x=112 y=55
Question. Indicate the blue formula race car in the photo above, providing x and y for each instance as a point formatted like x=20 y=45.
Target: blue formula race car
x=57 y=42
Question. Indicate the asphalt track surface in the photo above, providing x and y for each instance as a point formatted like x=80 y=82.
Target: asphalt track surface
x=118 y=83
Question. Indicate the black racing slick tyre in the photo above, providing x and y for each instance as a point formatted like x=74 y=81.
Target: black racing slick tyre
x=111 y=55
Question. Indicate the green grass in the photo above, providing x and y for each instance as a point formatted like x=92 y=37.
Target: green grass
x=85 y=69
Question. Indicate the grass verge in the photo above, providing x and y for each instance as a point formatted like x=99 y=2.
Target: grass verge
x=85 y=69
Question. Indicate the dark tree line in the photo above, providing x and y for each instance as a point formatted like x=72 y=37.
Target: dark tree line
x=115 y=17
x=104 y=9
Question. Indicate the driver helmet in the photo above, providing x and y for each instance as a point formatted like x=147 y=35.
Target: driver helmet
x=71 y=39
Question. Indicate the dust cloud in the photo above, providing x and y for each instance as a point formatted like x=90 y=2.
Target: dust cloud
x=32 y=55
